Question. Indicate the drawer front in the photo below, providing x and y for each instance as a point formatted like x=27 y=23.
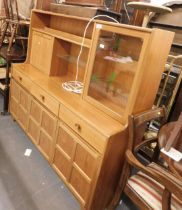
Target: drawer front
x=22 y=79
x=47 y=100
x=88 y=133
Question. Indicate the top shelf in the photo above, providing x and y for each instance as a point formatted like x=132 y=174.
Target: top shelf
x=65 y=36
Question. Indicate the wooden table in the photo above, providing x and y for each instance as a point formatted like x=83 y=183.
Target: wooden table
x=148 y=7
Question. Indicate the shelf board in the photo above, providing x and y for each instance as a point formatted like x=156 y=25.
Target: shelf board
x=65 y=36
x=72 y=59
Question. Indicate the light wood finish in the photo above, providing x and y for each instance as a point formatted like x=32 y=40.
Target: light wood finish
x=20 y=104
x=23 y=80
x=87 y=2
x=145 y=72
x=83 y=143
x=46 y=99
x=41 y=128
x=82 y=128
x=79 y=162
x=41 y=53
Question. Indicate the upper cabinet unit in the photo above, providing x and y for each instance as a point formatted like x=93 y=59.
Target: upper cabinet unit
x=123 y=67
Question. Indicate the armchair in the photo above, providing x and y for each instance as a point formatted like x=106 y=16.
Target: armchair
x=152 y=187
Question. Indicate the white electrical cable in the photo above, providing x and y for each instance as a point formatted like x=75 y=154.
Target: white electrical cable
x=77 y=86
x=126 y=11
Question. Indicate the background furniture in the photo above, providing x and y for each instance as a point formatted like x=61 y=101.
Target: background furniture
x=81 y=135
x=144 y=188
x=170 y=83
x=148 y=7
x=86 y=2
x=13 y=43
x=172 y=22
x=44 y=4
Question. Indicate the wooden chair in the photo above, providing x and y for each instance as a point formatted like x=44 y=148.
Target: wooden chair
x=152 y=187
x=13 y=42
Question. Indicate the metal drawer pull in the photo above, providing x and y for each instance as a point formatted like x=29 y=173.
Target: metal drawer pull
x=20 y=78
x=78 y=127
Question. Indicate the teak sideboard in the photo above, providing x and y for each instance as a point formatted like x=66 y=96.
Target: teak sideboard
x=84 y=136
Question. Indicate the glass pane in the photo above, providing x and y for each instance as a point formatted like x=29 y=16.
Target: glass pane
x=114 y=68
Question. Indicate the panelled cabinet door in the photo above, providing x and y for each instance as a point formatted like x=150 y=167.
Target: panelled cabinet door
x=75 y=162
x=42 y=128
x=19 y=103
x=41 y=51
x=113 y=68
x=23 y=108
x=34 y=121
x=83 y=174
x=64 y=152
x=15 y=95
x=47 y=133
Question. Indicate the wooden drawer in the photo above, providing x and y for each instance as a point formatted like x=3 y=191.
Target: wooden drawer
x=88 y=133
x=22 y=79
x=47 y=100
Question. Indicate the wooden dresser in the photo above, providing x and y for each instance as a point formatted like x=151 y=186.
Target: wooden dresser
x=84 y=136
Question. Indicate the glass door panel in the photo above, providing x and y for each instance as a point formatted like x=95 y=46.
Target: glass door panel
x=116 y=60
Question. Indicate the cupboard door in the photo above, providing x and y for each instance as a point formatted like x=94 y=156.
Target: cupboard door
x=45 y=144
x=62 y=164
x=19 y=105
x=36 y=49
x=23 y=108
x=15 y=94
x=80 y=185
x=41 y=51
x=86 y=160
x=47 y=133
x=65 y=148
x=34 y=121
x=85 y=165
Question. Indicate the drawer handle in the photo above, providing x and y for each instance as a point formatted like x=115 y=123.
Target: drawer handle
x=42 y=97
x=78 y=127
x=20 y=78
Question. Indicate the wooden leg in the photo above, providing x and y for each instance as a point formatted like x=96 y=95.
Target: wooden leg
x=12 y=38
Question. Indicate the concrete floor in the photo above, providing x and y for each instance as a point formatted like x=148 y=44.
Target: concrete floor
x=29 y=183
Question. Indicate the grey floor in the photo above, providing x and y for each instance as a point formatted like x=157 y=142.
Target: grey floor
x=29 y=183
